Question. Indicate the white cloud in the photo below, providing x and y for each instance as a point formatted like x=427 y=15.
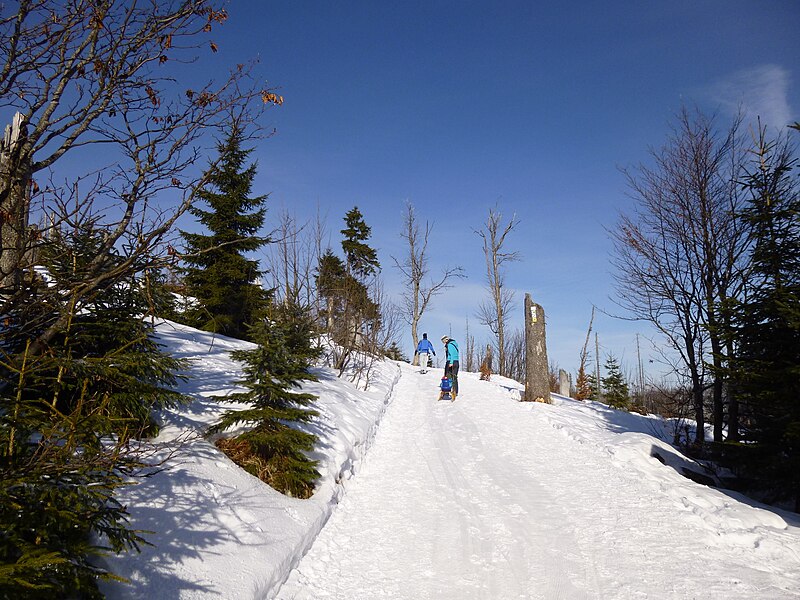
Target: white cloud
x=760 y=91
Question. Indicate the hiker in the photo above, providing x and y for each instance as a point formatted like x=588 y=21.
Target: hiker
x=424 y=350
x=451 y=362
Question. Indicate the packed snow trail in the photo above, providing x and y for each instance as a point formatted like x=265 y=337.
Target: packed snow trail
x=490 y=498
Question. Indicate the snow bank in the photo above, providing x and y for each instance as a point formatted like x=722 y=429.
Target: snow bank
x=216 y=530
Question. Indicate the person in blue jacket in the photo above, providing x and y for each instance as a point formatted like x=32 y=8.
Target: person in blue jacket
x=424 y=348
x=451 y=364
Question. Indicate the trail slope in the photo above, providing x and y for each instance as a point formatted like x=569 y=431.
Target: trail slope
x=491 y=498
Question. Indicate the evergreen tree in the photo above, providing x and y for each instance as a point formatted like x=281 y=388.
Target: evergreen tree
x=615 y=389
x=108 y=352
x=275 y=449
x=331 y=285
x=350 y=311
x=394 y=352
x=584 y=388
x=66 y=418
x=593 y=388
x=362 y=260
x=220 y=278
x=766 y=370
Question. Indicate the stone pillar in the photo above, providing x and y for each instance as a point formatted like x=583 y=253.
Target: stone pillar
x=564 y=383
x=537 y=384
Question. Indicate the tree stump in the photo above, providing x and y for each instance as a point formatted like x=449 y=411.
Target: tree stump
x=537 y=384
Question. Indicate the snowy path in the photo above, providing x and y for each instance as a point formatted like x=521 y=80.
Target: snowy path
x=490 y=498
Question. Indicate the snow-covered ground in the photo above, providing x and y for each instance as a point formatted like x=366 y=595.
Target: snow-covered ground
x=486 y=497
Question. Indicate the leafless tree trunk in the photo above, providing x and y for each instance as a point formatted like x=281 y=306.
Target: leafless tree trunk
x=678 y=256
x=494 y=314
x=417 y=292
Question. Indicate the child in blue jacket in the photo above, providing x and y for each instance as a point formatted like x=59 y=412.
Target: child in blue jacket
x=424 y=348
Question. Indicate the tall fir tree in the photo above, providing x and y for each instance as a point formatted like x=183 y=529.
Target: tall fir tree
x=224 y=283
x=275 y=448
x=362 y=260
x=615 y=389
x=766 y=368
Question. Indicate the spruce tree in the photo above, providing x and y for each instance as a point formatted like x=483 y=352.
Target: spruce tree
x=766 y=369
x=615 y=389
x=220 y=278
x=66 y=420
x=274 y=448
x=362 y=260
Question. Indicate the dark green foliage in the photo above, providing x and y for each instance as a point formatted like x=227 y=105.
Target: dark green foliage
x=615 y=389
x=395 y=353
x=362 y=260
x=106 y=357
x=222 y=280
x=52 y=501
x=766 y=368
x=593 y=388
x=275 y=447
x=66 y=416
x=352 y=316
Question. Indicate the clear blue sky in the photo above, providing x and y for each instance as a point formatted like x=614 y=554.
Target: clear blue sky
x=528 y=106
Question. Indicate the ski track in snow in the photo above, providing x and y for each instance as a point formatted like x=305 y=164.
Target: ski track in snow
x=485 y=498
x=457 y=501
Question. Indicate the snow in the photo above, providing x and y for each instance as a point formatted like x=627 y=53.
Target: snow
x=486 y=497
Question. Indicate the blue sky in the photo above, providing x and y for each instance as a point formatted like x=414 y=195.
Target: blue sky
x=529 y=107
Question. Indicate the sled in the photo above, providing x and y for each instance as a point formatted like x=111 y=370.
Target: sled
x=446 y=390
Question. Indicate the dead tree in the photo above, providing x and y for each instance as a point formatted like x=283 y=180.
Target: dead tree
x=418 y=290
x=494 y=313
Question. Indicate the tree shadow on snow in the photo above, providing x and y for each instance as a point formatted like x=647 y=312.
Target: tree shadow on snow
x=186 y=520
x=695 y=472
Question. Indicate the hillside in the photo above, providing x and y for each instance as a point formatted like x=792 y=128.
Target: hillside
x=486 y=497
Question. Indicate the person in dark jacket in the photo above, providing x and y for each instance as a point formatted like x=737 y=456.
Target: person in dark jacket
x=451 y=362
x=424 y=349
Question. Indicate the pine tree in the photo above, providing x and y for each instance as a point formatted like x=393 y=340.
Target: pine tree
x=615 y=389
x=220 y=278
x=766 y=370
x=274 y=448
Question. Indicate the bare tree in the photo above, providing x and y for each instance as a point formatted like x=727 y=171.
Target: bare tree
x=414 y=268
x=494 y=314
x=469 y=349
x=89 y=74
x=293 y=256
x=583 y=388
x=678 y=256
x=515 y=355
